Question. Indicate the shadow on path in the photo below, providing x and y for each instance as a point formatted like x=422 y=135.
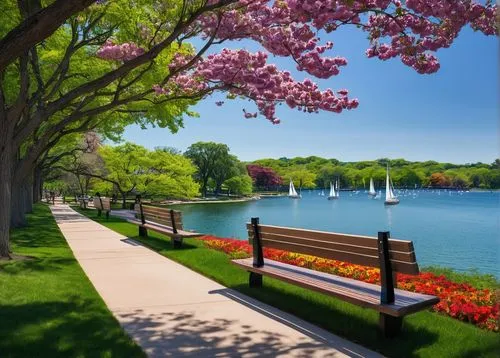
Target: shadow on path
x=293 y=322
x=168 y=334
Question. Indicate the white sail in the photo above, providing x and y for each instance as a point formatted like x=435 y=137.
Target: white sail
x=388 y=195
x=332 y=190
x=292 y=192
x=390 y=198
x=372 y=188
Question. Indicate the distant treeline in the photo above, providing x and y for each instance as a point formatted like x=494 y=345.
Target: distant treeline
x=317 y=172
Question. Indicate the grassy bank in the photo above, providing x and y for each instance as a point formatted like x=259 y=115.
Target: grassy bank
x=48 y=307
x=425 y=334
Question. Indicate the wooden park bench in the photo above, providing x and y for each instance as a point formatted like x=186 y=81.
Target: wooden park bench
x=389 y=255
x=102 y=204
x=82 y=201
x=162 y=220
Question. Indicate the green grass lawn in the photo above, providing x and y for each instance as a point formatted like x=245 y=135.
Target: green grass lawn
x=425 y=334
x=48 y=307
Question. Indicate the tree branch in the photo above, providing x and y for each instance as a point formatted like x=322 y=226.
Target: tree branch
x=37 y=27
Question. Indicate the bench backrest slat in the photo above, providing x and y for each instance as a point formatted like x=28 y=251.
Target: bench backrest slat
x=355 y=249
x=160 y=215
x=106 y=203
x=360 y=250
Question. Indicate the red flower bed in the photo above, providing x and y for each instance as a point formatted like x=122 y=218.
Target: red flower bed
x=458 y=300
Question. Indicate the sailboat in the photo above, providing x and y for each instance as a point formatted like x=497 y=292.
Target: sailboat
x=390 y=198
x=292 y=193
x=372 y=191
x=333 y=194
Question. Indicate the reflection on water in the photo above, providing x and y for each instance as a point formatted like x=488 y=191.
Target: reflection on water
x=295 y=209
x=458 y=230
x=388 y=211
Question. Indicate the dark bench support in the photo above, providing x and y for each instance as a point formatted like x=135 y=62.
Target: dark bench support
x=177 y=241
x=172 y=218
x=99 y=210
x=142 y=230
x=255 y=280
x=390 y=326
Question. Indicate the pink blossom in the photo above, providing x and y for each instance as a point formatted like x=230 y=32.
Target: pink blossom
x=413 y=31
x=123 y=52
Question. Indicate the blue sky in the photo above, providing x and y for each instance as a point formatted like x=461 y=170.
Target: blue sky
x=450 y=116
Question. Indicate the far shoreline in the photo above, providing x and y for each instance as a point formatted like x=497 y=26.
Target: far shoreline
x=209 y=201
x=281 y=195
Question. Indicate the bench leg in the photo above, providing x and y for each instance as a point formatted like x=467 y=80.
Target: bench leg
x=255 y=280
x=177 y=241
x=143 y=231
x=390 y=326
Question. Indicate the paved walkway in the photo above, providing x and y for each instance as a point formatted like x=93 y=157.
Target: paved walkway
x=171 y=311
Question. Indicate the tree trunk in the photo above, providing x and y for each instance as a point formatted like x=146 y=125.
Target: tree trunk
x=218 y=189
x=6 y=159
x=28 y=194
x=204 y=188
x=37 y=184
x=22 y=194
x=124 y=199
x=18 y=207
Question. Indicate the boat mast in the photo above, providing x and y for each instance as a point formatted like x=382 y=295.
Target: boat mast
x=388 y=191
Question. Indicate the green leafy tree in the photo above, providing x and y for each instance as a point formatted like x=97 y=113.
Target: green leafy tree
x=240 y=184
x=326 y=174
x=124 y=167
x=168 y=174
x=226 y=167
x=206 y=156
x=302 y=178
x=131 y=168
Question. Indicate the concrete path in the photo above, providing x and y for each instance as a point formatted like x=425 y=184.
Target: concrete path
x=171 y=311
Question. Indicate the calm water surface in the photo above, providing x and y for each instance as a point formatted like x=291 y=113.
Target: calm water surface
x=449 y=229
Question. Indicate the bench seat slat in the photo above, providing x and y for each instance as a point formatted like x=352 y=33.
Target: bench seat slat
x=357 y=292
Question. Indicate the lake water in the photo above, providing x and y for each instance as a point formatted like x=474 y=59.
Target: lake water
x=451 y=229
